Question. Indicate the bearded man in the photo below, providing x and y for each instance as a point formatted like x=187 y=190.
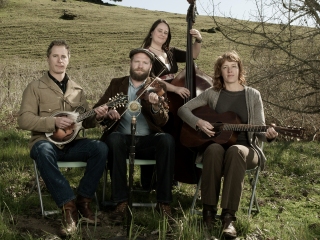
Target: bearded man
x=150 y=141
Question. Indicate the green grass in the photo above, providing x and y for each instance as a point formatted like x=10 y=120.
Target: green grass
x=101 y=38
x=288 y=194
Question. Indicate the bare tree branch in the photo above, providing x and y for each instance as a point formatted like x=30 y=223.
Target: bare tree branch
x=285 y=57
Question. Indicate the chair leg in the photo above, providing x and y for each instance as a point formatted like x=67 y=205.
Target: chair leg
x=256 y=203
x=153 y=179
x=97 y=201
x=43 y=212
x=253 y=198
x=195 y=197
x=105 y=173
x=146 y=204
x=106 y=203
x=38 y=186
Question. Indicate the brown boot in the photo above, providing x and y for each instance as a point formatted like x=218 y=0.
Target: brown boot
x=208 y=218
x=83 y=206
x=69 y=219
x=118 y=215
x=209 y=215
x=164 y=210
x=228 y=229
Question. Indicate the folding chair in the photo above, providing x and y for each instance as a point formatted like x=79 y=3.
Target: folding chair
x=46 y=213
x=137 y=162
x=253 y=175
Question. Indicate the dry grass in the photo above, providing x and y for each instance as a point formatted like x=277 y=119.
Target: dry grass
x=101 y=38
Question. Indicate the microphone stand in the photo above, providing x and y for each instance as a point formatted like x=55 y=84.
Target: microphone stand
x=134 y=108
x=130 y=190
x=131 y=167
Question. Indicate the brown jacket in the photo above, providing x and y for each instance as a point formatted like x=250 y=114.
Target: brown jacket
x=120 y=85
x=41 y=99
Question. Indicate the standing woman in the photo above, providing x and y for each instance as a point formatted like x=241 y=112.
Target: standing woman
x=165 y=65
x=158 y=41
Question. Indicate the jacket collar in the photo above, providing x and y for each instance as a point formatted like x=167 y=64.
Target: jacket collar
x=124 y=85
x=47 y=82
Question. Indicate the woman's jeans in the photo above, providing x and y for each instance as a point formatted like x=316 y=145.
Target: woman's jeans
x=46 y=155
x=158 y=146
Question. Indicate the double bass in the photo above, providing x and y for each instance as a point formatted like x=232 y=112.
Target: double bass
x=196 y=81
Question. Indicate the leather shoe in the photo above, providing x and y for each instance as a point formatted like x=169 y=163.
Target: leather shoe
x=118 y=215
x=228 y=229
x=209 y=218
x=87 y=216
x=164 y=210
x=69 y=219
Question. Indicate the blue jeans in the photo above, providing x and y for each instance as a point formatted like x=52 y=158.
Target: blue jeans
x=46 y=155
x=159 y=146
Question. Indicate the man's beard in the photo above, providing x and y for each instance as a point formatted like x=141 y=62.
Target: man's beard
x=138 y=77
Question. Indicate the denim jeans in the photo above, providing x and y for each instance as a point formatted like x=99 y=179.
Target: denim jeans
x=46 y=155
x=158 y=146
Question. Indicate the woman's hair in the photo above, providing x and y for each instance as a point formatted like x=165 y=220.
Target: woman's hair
x=147 y=41
x=58 y=43
x=231 y=56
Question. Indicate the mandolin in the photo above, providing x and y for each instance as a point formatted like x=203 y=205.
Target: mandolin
x=64 y=136
x=226 y=127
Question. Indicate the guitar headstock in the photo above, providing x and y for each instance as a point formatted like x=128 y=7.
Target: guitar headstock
x=117 y=101
x=291 y=131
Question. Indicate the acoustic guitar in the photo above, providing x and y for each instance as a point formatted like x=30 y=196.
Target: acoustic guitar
x=226 y=127
x=64 y=136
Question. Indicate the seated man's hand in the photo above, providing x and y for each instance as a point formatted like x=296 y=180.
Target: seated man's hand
x=113 y=115
x=101 y=112
x=63 y=122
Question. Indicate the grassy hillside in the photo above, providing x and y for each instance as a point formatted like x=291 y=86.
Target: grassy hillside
x=101 y=37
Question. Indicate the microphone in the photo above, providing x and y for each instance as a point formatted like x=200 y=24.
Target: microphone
x=134 y=108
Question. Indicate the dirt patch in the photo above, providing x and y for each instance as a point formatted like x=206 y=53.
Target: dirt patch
x=48 y=228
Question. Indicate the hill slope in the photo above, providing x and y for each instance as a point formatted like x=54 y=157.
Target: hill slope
x=100 y=35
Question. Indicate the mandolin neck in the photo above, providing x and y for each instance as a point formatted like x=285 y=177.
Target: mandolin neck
x=90 y=113
x=85 y=115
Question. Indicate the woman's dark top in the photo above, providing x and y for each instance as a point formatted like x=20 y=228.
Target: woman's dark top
x=235 y=102
x=174 y=55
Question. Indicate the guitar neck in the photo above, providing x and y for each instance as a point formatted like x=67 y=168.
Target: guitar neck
x=289 y=131
x=244 y=128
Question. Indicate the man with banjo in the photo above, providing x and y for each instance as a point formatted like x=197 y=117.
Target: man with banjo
x=42 y=98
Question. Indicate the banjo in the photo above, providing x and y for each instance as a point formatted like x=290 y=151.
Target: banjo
x=66 y=135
